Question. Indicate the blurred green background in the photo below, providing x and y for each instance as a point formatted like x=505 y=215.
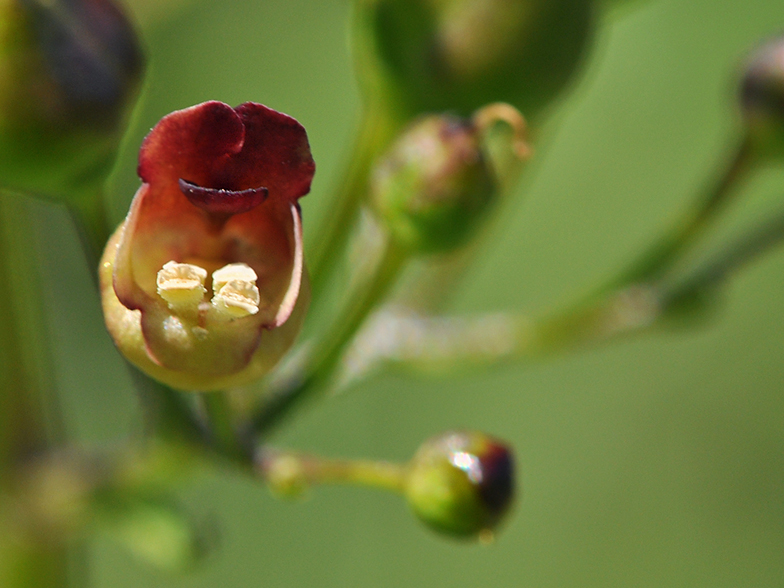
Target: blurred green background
x=656 y=462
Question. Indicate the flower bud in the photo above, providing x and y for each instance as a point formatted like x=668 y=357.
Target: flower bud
x=434 y=184
x=762 y=98
x=461 y=483
x=69 y=71
x=156 y=531
x=203 y=286
x=438 y=55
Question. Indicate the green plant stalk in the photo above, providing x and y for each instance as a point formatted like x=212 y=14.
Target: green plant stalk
x=448 y=346
x=224 y=432
x=324 y=360
x=712 y=272
x=380 y=124
x=599 y=319
x=367 y=473
x=29 y=422
x=91 y=221
x=311 y=470
x=644 y=305
x=690 y=226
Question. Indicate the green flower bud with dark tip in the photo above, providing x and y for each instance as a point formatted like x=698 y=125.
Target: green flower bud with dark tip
x=433 y=185
x=69 y=71
x=461 y=483
x=762 y=98
x=438 y=55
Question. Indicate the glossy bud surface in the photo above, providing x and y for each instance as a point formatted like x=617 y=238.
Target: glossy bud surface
x=461 y=483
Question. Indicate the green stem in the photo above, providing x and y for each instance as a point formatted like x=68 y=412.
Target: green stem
x=167 y=415
x=495 y=339
x=444 y=345
x=224 y=431
x=92 y=224
x=326 y=357
x=29 y=422
x=379 y=126
x=659 y=256
x=286 y=469
x=716 y=269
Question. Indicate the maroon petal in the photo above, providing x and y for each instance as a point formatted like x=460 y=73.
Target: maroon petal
x=275 y=154
x=194 y=143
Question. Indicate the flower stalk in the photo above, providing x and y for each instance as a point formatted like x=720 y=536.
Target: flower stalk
x=319 y=371
x=290 y=474
x=379 y=124
x=29 y=422
x=692 y=224
x=442 y=344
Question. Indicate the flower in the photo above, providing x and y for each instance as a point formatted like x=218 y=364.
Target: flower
x=203 y=285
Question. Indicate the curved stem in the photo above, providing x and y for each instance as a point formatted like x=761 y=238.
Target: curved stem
x=90 y=218
x=757 y=240
x=449 y=344
x=664 y=251
x=379 y=125
x=225 y=438
x=319 y=371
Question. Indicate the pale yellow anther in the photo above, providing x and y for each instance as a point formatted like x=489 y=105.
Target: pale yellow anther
x=233 y=271
x=181 y=285
x=236 y=294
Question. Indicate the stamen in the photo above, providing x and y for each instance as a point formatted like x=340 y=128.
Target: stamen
x=233 y=271
x=181 y=285
x=236 y=294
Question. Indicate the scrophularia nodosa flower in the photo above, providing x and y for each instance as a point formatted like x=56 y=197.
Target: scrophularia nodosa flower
x=203 y=285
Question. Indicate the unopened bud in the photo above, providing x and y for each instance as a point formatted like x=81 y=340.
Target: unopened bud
x=438 y=55
x=157 y=532
x=762 y=98
x=461 y=483
x=434 y=184
x=70 y=69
